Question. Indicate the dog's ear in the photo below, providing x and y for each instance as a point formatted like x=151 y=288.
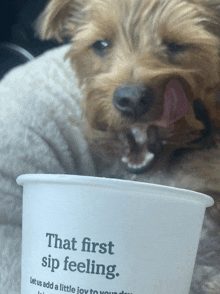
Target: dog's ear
x=59 y=19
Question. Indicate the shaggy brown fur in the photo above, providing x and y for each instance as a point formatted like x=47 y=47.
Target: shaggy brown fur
x=136 y=42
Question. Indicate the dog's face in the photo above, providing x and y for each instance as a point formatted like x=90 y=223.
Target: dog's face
x=142 y=62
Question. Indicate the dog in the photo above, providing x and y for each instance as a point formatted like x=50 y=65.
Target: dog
x=149 y=74
x=147 y=67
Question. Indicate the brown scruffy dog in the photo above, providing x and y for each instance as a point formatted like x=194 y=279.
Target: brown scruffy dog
x=149 y=71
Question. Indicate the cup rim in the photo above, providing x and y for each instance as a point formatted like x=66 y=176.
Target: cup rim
x=118 y=184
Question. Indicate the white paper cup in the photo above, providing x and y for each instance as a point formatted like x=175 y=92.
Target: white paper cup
x=88 y=235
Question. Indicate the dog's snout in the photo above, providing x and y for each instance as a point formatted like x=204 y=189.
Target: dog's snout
x=133 y=101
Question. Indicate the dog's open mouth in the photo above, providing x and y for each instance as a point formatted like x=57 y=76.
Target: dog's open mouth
x=144 y=142
x=137 y=155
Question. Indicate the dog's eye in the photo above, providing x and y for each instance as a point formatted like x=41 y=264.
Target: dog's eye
x=175 y=48
x=100 y=47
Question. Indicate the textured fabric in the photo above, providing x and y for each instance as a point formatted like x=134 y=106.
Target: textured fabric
x=39 y=110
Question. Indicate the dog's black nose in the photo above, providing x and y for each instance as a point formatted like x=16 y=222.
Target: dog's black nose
x=133 y=101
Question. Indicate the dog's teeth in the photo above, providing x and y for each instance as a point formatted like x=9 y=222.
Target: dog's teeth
x=134 y=130
x=148 y=158
x=130 y=165
x=124 y=159
x=139 y=135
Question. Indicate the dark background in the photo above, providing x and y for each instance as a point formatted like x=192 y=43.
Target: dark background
x=17 y=18
x=17 y=24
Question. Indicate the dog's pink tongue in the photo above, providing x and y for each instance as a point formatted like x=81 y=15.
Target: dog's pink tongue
x=176 y=104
